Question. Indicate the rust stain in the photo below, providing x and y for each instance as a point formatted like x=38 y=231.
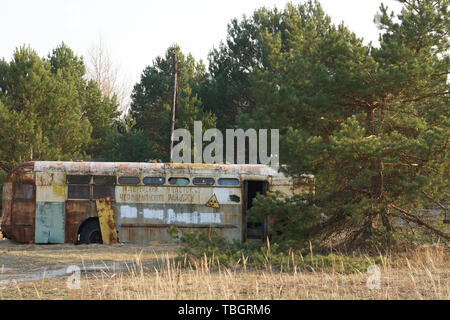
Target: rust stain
x=23 y=173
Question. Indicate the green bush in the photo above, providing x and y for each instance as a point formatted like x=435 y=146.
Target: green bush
x=218 y=251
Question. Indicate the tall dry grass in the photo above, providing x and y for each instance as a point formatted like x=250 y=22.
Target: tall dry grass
x=420 y=273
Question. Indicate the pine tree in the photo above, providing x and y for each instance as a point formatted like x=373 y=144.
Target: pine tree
x=45 y=108
x=152 y=98
x=372 y=124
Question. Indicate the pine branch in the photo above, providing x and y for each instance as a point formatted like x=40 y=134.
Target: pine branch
x=413 y=218
x=435 y=201
x=434 y=94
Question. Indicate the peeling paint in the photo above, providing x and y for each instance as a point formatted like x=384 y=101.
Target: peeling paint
x=129 y=212
x=208 y=217
x=154 y=214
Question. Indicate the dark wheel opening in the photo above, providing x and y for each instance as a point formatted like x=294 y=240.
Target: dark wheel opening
x=90 y=232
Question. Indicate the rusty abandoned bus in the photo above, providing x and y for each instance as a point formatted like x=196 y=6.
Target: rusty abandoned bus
x=55 y=202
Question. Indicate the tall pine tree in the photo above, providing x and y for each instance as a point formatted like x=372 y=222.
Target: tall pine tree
x=372 y=124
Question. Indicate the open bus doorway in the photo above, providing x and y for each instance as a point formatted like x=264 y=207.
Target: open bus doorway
x=254 y=230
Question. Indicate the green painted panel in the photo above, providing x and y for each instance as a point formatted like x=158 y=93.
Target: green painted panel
x=49 y=222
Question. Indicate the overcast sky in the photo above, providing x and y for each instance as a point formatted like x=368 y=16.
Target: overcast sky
x=137 y=31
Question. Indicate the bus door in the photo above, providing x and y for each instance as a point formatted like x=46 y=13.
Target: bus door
x=254 y=230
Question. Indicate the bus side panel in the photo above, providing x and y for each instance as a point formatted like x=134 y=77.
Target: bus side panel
x=50 y=207
x=143 y=213
x=49 y=222
x=141 y=222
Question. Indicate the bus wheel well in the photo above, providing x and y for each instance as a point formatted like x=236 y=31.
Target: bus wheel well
x=89 y=231
x=85 y=221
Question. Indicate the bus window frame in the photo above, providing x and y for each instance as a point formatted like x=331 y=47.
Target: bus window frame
x=204 y=185
x=129 y=184
x=178 y=185
x=79 y=185
x=154 y=185
x=238 y=185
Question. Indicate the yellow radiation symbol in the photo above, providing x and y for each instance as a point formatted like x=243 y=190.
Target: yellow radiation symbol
x=212 y=202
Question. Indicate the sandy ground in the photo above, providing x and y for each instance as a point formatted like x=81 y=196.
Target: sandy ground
x=25 y=262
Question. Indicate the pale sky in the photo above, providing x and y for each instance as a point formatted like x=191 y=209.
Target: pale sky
x=136 y=31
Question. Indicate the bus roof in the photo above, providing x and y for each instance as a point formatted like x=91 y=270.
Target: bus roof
x=110 y=168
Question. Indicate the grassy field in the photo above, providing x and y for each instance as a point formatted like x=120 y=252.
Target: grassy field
x=152 y=272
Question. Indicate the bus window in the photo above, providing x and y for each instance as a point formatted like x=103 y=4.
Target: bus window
x=72 y=179
x=24 y=192
x=129 y=180
x=203 y=181
x=103 y=192
x=78 y=187
x=228 y=182
x=78 y=192
x=154 y=180
x=105 y=180
x=179 y=181
x=104 y=187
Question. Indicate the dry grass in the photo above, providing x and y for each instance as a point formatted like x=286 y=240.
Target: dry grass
x=21 y=258
x=420 y=273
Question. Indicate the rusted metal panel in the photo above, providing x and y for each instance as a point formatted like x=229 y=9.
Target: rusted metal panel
x=50 y=222
x=23 y=221
x=76 y=213
x=106 y=220
x=142 y=222
x=22 y=173
x=24 y=212
x=22 y=233
x=50 y=178
x=19 y=224
x=143 y=234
